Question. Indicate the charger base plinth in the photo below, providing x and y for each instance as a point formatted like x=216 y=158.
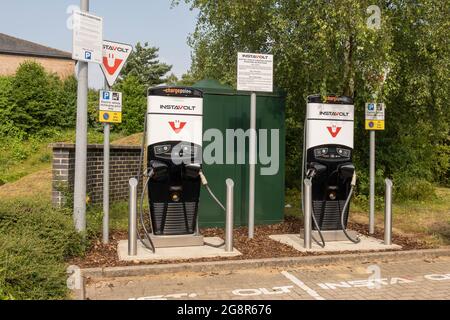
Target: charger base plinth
x=331 y=235
x=190 y=240
x=176 y=253
x=367 y=244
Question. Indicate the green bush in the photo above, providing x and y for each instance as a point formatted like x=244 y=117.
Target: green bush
x=34 y=100
x=134 y=105
x=363 y=182
x=413 y=188
x=35 y=242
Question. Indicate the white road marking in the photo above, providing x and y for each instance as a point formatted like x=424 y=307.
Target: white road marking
x=302 y=285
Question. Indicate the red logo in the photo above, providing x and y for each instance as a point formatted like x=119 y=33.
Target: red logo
x=177 y=126
x=334 y=131
x=111 y=69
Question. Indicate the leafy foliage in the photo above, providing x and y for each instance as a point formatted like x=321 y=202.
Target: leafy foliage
x=328 y=47
x=143 y=64
x=134 y=104
x=33 y=101
x=35 y=241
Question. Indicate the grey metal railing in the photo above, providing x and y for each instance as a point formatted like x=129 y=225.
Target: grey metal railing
x=229 y=216
x=388 y=213
x=132 y=218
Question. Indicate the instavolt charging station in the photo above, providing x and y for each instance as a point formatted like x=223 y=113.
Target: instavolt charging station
x=327 y=163
x=174 y=156
x=173 y=141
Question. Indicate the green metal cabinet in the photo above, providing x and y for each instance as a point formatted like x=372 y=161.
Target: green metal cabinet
x=225 y=108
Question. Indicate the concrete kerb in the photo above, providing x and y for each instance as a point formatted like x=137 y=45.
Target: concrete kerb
x=143 y=270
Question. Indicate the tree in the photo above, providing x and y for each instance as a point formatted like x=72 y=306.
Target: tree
x=34 y=99
x=172 y=79
x=330 y=47
x=187 y=79
x=134 y=105
x=143 y=64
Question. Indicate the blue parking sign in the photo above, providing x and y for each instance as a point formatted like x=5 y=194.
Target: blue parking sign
x=106 y=95
x=88 y=55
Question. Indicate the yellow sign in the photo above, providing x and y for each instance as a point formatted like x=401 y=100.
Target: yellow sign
x=374 y=124
x=110 y=117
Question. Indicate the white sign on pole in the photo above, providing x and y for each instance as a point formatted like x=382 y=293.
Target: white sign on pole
x=255 y=72
x=87 y=37
x=114 y=57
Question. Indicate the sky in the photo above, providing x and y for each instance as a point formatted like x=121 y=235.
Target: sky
x=152 y=21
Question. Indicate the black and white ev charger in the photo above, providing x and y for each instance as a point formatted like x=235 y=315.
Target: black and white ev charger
x=327 y=162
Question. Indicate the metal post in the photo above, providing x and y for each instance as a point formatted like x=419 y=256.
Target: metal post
x=132 y=218
x=230 y=216
x=388 y=213
x=79 y=197
x=252 y=166
x=106 y=157
x=307 y=199
x=372 y=184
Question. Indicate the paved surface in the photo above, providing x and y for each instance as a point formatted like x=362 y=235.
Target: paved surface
x=393 y=280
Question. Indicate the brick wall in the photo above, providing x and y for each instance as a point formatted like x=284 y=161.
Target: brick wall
x=62 y=67
x=124 y=164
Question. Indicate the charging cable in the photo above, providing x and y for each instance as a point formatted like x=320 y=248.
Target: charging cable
x=205 y=184
x=353 y=183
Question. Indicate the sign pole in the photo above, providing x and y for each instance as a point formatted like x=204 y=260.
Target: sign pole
x=114 y=57
x=375 y=120
x=79 y=206
x=372 y=184
x=106 y=158
x=252 y=163
x=254 y=74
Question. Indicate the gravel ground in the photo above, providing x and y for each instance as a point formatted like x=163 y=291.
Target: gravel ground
x=261 y=246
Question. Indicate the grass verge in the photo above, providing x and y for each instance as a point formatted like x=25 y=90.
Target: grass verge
x=21 y=157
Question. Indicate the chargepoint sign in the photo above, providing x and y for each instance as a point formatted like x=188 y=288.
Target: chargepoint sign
x=330 y=124
x=175 y=119
x=114 y=57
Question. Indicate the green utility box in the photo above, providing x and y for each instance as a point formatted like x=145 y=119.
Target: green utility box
x=225 y=108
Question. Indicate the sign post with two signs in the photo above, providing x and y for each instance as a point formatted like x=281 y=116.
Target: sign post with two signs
x=114 y=56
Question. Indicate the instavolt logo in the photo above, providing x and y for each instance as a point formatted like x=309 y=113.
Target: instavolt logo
x=334 y=113
x=176 y=107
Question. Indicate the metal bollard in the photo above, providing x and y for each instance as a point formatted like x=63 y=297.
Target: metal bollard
x=388 y=213
x=307 y=197
x=132 y=218
x=229 y=216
